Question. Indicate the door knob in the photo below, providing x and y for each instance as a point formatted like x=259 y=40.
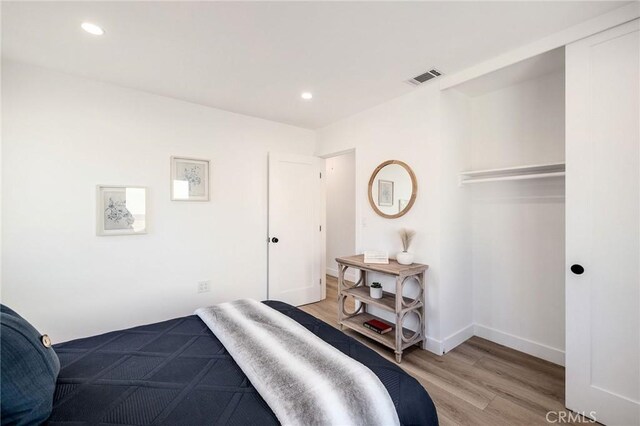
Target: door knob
x=275 y=240
x=577 y=269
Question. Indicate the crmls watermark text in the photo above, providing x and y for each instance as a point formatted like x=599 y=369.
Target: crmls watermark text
x=570 y=417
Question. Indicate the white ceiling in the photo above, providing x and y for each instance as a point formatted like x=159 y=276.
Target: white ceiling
x=256 y=58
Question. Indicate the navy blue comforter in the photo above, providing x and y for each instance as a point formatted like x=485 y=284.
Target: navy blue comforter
x=177 y=372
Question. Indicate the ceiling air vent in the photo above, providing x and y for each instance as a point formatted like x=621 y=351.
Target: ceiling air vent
x=423 y=78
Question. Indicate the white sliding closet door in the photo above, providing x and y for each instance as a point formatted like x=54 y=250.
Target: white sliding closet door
x=603 y=226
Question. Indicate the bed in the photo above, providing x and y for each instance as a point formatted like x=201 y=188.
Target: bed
x=177 y=372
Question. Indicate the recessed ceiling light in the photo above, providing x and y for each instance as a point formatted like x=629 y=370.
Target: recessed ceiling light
x=306 y=95
x=92 y=28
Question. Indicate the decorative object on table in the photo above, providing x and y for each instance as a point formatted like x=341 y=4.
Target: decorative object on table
x=404 y=257
x=121 y=210
x=378 y=326
x=393 y=188
x=189 y=179
x=373 y=256
x=375 y=290
x=385 y=192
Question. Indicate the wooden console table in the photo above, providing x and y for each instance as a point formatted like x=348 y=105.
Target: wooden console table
x=399 y=338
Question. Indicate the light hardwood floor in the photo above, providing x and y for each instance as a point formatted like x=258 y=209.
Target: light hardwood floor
x=478 y=382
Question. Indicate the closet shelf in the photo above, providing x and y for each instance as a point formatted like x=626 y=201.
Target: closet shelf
x=538 y=171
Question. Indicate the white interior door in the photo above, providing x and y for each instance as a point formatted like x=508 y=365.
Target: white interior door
x=603 y=226
x=296 y=228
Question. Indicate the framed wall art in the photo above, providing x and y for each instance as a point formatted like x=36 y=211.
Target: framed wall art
x=189 y=179
x=121 y=210
x=385 y=192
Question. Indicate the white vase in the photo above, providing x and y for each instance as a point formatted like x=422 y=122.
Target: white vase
x=405 y=258
x=376 y=293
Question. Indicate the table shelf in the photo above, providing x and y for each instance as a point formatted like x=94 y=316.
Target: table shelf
x=388 y=301
x=399 y=338
x=356 y=323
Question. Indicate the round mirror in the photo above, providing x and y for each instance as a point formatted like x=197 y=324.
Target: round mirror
x=392 y=189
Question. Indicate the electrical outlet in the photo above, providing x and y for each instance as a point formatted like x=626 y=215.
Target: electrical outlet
x=203 y=286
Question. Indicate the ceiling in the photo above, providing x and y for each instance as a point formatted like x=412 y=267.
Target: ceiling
x=255 y=58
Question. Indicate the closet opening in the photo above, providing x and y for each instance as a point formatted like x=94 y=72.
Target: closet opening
x=511 y=137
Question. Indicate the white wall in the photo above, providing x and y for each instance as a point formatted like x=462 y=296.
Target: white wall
x=405 y=129
x=456 y=297
x=1 y=150
x=62 y=135
x=519 y=124
x=519 y=227
x=341 y=209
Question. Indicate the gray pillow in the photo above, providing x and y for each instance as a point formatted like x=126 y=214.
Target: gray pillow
x=29 y=369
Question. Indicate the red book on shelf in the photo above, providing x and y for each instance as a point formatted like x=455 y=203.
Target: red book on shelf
x=378 y=326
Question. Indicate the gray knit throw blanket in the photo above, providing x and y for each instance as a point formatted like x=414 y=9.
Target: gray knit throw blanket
x=304 y=380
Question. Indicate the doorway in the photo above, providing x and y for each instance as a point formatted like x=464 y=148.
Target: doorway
x=340 y=215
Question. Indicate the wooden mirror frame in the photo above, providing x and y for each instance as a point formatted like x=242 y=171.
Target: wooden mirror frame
x=414 y=189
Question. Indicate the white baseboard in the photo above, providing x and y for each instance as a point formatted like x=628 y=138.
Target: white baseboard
x=332 y=272
x=457 y=338
x=440 y=347
x=349 y=275
x=432 y=345
x=530 y=347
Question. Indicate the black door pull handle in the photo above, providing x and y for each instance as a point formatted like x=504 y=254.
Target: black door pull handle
x=577 y=269
x=275 y=240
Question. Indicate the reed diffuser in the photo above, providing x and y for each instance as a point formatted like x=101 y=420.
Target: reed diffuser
x=405 y=257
